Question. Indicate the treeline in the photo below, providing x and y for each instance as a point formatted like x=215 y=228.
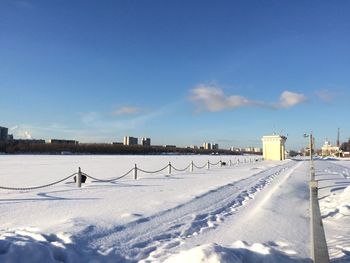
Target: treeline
x=48 y=148
x=345 y=147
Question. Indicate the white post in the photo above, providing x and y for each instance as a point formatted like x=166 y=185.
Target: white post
x=169 y=168
x=79 y=177
x=230 y=162
x=220 y=163
x=192 y=166
x=135 y=172
x=208 y=165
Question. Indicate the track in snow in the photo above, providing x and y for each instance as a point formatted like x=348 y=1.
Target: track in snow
x=326 y=168
x=140 y=239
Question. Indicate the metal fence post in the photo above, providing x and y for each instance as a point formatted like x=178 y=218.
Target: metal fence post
x=230 y=162
x=169 y=167
x=192 y=166
x=79 y=178
x=220 y=163
x=208 y=165
x=135 y=172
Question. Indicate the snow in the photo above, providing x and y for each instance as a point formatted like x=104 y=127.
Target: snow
x=334 y=187
x=239 y=252
x=250 y=212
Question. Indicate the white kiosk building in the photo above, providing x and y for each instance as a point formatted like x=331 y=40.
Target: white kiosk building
x=329 y=150
x=273 y=147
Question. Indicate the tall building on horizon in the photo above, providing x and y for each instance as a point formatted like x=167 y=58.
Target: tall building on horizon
x=207 y=146
x=3 y=134
x=146 y=142
x=128 y=140
x=210 y=146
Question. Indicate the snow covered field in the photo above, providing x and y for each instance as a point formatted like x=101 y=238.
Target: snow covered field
x=250 y=212
x=334 y=193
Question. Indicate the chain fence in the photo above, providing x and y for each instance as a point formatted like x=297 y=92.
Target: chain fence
x=214 y=164
x=200 y=167
x=36 y=187
x=108 y=180
x=152 y=172
x=78 y=175
x=182 y=170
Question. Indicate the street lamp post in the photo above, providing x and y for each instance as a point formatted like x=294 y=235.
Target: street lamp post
x=310 y=143
x=311 y=146
x=312 y=169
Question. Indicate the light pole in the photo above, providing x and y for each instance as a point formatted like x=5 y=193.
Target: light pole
x=310 y=143
x=312 y=169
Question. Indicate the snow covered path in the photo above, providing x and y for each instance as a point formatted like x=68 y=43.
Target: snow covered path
x=253 y=212
x=280 y=214
x=170 y=228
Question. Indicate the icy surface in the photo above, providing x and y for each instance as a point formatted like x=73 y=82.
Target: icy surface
x=250 y=212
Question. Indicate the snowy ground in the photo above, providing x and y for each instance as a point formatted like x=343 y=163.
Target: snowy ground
x=250 y=212
x=334 y=185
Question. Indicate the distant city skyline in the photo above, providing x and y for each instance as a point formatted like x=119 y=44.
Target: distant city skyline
x=181 y=73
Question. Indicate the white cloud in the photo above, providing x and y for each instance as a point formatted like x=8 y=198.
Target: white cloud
x=324 y=95
x=212 y=98
x=126 y=110
x=58 y=131
x=106 y=123
x=289 y=99
x=27 y=135
x=21 y=132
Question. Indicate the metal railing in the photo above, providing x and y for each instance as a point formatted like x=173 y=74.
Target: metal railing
x=78 y=176
x=319 y=249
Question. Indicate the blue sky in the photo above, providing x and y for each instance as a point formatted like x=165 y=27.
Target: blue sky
x=179 y=72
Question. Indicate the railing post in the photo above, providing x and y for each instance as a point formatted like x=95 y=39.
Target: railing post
x=208 y=165
x=169 y=167
x=220 y=163
x=192 y=166
x=135 y=172
x=230 y=162
x=79 y=178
